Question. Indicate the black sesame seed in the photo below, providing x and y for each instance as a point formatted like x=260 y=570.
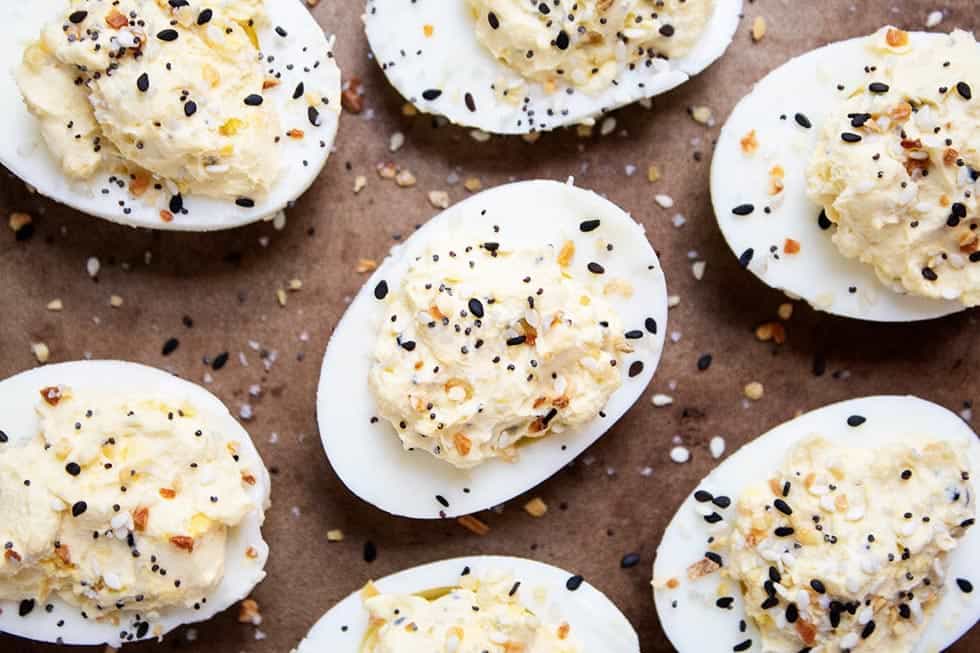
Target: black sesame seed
x=470 y=102
x=703 y=496
x=746 y=257
x=651 y=325
x=493 y=20
x=770 y=602
x=73 y=468
x=176 y=203
x=823 y=221
x=792 y=613
x=630 y=560
x=904 y=611
x=300 y=90
x=574 y=583
x=633 y=335
x=722 y=501
x=143 y=83
x=370 y=551
x=516 y=340
x=168 y=35
x=79 y=508
x=667 y=30
x=588 y=225
x=704 y=362
x=313 y=115
x=253 y=100
x=743 y=646
x=408 y=345
x=964 y=90
x=245 y=202
x=26 y=607
x=713 y=518
x=78 y=16
x=3 y=438
x=725 y=602
x=190 y=108
x=850 y=137
x=782 y=507
x=965 y=586
x=856 y=420
x=868 y=629
x=442 y=501
x=431 y=94
x=595 y=268
x=803 y=121
x=220 y=361
x=929 y=274
x=204 y=17
x=476 y=307
x=784 y=531
x=713 y=557
x=281 y=32
x=878 y=87
x=774 y=575
x=958 y=209
x=562 y=41
x=381 y=290
x=818 y=586
x=170 y=346
x=743 y=209
x=636 y=367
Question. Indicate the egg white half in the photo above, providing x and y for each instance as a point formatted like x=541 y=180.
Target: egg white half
x=454 y=62
x=695 y=624
x=369 y=457
x=18 y=396
x=305 y=49
x=544 y=590
x=819 y=273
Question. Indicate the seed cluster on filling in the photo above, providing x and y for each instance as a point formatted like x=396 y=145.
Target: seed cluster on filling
x=484 y=345
x=896 y=167
x=120 y=507
x=842 y=546
x=486 y=612
x=585 y=44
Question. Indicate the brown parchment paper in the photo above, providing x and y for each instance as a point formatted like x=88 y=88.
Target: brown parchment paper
x=601 y=508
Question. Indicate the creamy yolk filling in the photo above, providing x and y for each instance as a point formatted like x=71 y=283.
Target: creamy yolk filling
x=482 y=347
x=482 y=615
x=896 y=167
x=585 y=43
x=118 y=504
x=844 y=547
x=160 y=95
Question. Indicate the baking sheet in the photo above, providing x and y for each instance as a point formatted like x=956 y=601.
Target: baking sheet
x=620 y=495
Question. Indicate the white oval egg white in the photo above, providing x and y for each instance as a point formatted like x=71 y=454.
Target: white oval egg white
x=454 y=62
x=369 y=457
x=819 y=273
x=305 y=48
x=695 y=624
x=544 y=590
x=18 y=419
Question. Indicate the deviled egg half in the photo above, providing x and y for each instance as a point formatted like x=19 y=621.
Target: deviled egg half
x=849 y=528
x=516 y=66
x=490 y=349
x=848 y=176
x=482 y=604
x=132 y=503
x=186 y=115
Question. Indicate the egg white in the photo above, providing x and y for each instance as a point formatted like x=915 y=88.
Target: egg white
x=819 y=273
x=24 y=152
x=594 y=619
x=454 y=62
x=696 y=624
x=18 y=397
x=369 y=457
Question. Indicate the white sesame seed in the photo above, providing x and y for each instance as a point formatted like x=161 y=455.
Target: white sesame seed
x=717 y=447
x=665 y=201
x=661 y=400
x=680 y=454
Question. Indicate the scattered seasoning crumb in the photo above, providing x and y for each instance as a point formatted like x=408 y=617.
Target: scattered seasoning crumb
x=758 y=28
x=661 y=400
x=473 y=184
x=18 y=221
x=702 y=115
x=934 y=18
x=248 y=612
x=473 y=525
x=281 y=296
x=439 y=199
x=396 y=141
x=351 y=98
x=697 y=269
x=608 y=126
x=785 y=311
x=653 y=173
x=41 y=352
x=360 y=182
x=754 y=390
x=366 y=265
x=92 y=266
x=115 y=301
x=405 y=179
x=55 y=305
x=536 y=507
x=335 y=535
x=773 y=331
x=665 y=201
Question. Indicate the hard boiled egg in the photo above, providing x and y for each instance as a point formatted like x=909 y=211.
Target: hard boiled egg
x=848 y=527
x=515 y=67
x=496 y=344
x=194 y=96
x=848 y=176
x=551 y=598
x=31 y=400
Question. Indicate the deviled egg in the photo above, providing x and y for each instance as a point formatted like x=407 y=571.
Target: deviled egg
x=848 y=528
x=169 y=114
x=490 y=349
x=132 y=504
x=848 y=176
x=482 y=604
x=516 y=66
